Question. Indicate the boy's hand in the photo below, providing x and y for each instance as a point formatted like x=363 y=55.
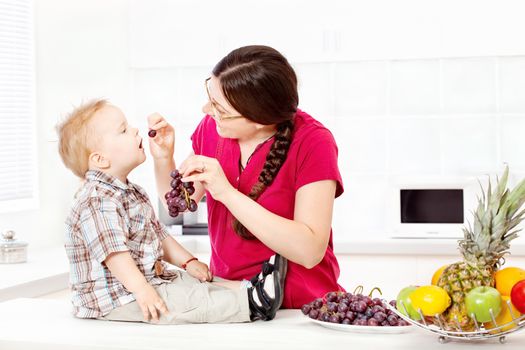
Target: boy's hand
x=150 y=302
x=162 y=145
x=199 y=270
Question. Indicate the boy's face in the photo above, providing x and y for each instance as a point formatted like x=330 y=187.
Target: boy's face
x=116 y=141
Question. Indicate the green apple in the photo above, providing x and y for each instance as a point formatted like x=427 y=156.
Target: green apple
x=480 y=300
x=406 y=306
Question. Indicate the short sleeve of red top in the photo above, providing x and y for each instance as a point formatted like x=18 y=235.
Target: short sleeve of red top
x=312 y=157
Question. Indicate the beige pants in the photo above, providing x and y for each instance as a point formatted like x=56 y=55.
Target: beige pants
x=191 y=301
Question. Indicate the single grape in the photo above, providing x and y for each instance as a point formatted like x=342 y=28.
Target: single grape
x=325 y=316
x=392 y=320
x=306 y=309
x=380 y=316
x=190 y=190
x=317 y=303
x=331 y=306
x=403 y=323
x=373 y=322
x=193 y=206
x=361 y=306
x=183 y=206
x=343 y=307
x=346 y=321
x=392 y=303
x=377 y=308
x=187 y=184
x=350 y=315
x=152 y=133
x=353 y=306
x=175 y=174
x=331 y=296
x=361 y=322
x=313 y=314
x=334 y=318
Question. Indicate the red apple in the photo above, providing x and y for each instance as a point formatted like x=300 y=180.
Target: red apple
x=517 y=296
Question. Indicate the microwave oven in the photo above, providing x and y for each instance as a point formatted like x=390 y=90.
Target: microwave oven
x=432 y=207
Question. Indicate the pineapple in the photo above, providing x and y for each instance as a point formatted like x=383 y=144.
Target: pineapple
x=483 y=248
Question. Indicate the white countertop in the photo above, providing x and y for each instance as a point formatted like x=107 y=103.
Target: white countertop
x=48 y=324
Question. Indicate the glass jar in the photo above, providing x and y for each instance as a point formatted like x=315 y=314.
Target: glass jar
x=12 y=251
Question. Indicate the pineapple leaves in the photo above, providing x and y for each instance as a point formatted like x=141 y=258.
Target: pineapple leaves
x=495 y=220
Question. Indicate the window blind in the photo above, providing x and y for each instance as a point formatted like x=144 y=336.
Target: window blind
x=17 y=121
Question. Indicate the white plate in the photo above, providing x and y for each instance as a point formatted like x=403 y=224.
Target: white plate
x=363 y=329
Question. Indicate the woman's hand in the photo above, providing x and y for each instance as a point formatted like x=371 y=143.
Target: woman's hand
x=209 y=172
x=199 y=270
x=162 y=145
x=150 y=303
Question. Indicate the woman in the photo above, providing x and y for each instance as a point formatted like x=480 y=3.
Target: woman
x=269 y=171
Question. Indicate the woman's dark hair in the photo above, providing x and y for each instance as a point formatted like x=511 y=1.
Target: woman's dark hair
x=262 y=86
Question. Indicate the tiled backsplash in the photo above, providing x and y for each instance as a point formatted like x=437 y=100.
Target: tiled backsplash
x=463 y=116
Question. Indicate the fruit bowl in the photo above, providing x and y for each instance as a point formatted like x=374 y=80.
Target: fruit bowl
x=435 y=325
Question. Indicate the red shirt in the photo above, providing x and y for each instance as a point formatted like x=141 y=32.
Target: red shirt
x=312 y=157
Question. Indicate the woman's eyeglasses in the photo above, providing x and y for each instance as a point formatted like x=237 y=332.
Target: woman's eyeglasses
x=216 y=113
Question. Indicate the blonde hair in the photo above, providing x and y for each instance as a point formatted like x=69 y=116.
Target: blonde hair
x=73 y=136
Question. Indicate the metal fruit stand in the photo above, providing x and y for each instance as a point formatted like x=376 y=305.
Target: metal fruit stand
x=436 y=325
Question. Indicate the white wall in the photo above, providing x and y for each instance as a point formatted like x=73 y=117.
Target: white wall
x=81 y=52
x=431 y=87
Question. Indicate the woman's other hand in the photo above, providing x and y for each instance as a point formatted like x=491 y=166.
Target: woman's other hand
x=162 y=145
x=209 y=172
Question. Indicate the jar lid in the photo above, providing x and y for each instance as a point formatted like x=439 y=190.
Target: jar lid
x=8 y=240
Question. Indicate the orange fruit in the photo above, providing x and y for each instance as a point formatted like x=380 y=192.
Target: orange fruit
x=504 y=317
x=506 y=279
x=437 y=275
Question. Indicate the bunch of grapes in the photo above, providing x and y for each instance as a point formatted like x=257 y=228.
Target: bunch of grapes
x=178 y=199
x=347 y=308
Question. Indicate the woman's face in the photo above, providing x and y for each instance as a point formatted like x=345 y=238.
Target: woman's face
x=230 y=123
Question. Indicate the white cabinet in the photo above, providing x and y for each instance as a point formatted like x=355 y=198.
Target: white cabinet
x=187 y=33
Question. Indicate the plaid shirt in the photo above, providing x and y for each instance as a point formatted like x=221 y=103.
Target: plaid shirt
x=109 y=216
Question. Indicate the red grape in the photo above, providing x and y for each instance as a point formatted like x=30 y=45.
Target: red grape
x=178 y=198
x=346 y=308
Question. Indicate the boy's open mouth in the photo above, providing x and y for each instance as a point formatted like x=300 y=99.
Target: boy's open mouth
x=140 y=145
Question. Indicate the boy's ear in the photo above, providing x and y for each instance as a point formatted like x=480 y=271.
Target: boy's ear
x=97 y=159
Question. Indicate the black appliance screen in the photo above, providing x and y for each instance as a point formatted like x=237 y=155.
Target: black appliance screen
x=432 y=206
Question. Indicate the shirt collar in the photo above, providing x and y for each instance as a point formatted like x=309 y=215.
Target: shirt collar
x=97 y=175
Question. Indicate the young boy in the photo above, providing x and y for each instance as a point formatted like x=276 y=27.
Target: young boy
x=117 y=248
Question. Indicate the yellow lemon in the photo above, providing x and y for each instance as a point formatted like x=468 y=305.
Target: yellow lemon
x=506 y=279
x=437 y=275
x=431 y=300
x=504 y=317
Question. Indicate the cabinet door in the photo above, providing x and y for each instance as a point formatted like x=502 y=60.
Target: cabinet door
x=188 y=33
